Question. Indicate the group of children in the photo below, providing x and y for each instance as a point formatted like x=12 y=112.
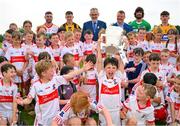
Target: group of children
x=70 y=79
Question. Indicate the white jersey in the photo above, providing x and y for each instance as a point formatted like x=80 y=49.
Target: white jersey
x=156 y=47
x=166 y=68
x=159 y=74
x=172 y=48
x=80 y=46
x=142 y=115
x=7 y=94
x=90 y=83
x=89 y=48
x=46 y=96
x=174 y=97
x=144 y=45
x=56 y=53
x=37 y=51
x=6 y=45
x=74 y=50
x=17 y=58
x=130 y=52
x=51 y=29
x=110 y=90
x=67 y=112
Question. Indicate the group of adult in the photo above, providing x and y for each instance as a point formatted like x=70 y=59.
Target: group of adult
x=95 y=25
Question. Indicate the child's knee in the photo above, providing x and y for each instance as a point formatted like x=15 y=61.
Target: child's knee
x=131 y=122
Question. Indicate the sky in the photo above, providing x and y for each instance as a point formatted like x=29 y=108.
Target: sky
x=18 y=11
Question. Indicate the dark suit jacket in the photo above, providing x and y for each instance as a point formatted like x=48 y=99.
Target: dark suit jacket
x=89 y=25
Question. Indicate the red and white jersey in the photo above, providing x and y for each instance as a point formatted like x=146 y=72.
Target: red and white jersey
x=130 y=52
x=174 y=97
x=110 y=90
x=46 y=96
x=17 y=58
x=159 y=74
x=90 y=83
x=142 y=115
x=7 y=94
x=176 y=71
x=172 y=48
x=166 y=68
x=67 y=112
x=89 y=48
x=56 y=53
x=37 y=51
x=156 y=47
x=6 y=45
x=51 y=29
x=76 y=78
x=79 y=45
x=75 y=50
x=144 y=45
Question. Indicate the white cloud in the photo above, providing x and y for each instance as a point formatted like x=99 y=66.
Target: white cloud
x=19 y=10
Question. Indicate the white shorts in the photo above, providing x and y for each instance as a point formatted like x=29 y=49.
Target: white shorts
x=6 y=115
x=44 y=122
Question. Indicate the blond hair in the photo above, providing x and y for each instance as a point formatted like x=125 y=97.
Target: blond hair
x=42 y=66
x=68 y=34
x=150 y=90
x=79 y=101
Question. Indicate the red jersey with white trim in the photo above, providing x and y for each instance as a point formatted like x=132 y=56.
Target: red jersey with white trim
x=74 y=50
x=142 y=115
x=90 y=83
x=56 y=53
x=51 y=29
x=17 y=58
x=46 y=95
x=89 y=48
x=67 y=112
x=166 y=68
x=156 y=47
x=110 y=91
x=144 y=45
x=7 y=94
x=174 y=97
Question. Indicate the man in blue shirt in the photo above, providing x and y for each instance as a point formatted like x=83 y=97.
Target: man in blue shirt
x=120 y=22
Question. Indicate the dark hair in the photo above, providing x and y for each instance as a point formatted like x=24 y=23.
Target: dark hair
x=139 y=9
x=10 y=31
x=69 y=13
x=150 y=78
x=154 y=57
x=44 y=56
x=66 y=70
x=48 y=12
x=92 y=58
x=164 y=13
x=88 y=31
x=66 y=57
x=138 y=51
x=61 y=29
x=111 y=60
x=141 y=28
x=121 y=12
x=53 y=34
x=27 y=21
x=6 y=67
x=174 y=32
x=2 y=59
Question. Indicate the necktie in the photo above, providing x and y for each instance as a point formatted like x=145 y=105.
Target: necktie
x=94 y=26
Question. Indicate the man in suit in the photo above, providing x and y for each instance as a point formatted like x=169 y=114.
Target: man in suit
x=120 y=22
x=94 y=25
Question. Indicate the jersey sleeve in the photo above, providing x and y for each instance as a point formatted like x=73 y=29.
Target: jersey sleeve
x=15 y=91
x=126 y=104
x=63 y=115
x=7 y=54
x=150 y=116
x=32 y=92
x=60 y=80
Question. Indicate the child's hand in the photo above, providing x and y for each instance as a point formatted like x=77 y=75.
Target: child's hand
x=19 y=101
x=19 y=72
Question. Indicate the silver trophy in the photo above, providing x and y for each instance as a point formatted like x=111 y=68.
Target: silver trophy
x=115 y=42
